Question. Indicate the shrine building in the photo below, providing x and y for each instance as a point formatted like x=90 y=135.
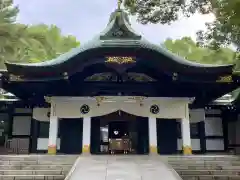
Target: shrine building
x=120 y=85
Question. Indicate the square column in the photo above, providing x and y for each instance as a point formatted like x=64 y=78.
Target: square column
x=86 y=135
x=152 y=121
x=53 y=132
x=186 y=138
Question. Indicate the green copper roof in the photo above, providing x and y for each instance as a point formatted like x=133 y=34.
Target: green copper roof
x=118 y=33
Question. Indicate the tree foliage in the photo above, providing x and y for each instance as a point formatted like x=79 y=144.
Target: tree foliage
x=187 y=48
x=223 y=31
x=23 y=43
x=52 y=43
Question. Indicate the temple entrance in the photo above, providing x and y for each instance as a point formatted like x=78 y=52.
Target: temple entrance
x=119 y=137
x=119 y=133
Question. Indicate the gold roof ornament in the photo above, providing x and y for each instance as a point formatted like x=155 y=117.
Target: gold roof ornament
x=99 y=99
x=13 y=77
x=120 y=60
x=225 y=79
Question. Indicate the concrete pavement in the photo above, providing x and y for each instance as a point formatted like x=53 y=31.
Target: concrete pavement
x=118 y=167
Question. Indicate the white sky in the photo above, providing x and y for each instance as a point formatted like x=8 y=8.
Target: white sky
x=84 y=19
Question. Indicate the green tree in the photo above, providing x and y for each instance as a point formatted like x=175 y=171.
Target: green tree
x=223 y=31
x=8 y=15
x=14 y=37
x=187 y=48
x=52 y=43
x=23 y=43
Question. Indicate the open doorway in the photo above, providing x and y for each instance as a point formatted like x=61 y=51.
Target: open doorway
x=119 y=133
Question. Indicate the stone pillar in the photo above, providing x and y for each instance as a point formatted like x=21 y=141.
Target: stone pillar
x=152 y=121
x=53 y=132
x=186 y=138
x=86 y=135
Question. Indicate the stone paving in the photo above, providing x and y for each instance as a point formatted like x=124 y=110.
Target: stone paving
x=122 y=168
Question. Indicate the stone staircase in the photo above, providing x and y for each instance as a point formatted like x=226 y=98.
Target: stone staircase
x=37 y=167
x=45 y=167
x=206 y=167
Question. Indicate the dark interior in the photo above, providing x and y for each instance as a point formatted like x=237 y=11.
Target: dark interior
x=118 y=126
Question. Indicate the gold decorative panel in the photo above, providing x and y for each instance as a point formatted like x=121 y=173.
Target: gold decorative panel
x=225 y=79
x=120 y=60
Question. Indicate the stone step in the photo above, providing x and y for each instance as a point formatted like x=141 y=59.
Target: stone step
x=43 y=167
x=39 y=158
x=203 y=162
x=232 y=167
x=200 y=156
x=216 y=167
x=205 y=168
x=208 y=172
x=35 y=167
x=203 y=165
x=35 y=162
x=18 y=162
x=34 y=156
x=32 y=177
x=236 y=163
x=33 y=172
x=210 y=177
x=196 y=168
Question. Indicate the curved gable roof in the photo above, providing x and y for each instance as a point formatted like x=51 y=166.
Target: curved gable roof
x=117 y=34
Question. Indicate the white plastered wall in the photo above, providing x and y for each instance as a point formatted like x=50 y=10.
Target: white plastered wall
x=170 y=108
x=41 y=114
x=69 y=107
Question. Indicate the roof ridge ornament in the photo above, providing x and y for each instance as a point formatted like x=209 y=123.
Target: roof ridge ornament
x=119 y=27
x=119 y=4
